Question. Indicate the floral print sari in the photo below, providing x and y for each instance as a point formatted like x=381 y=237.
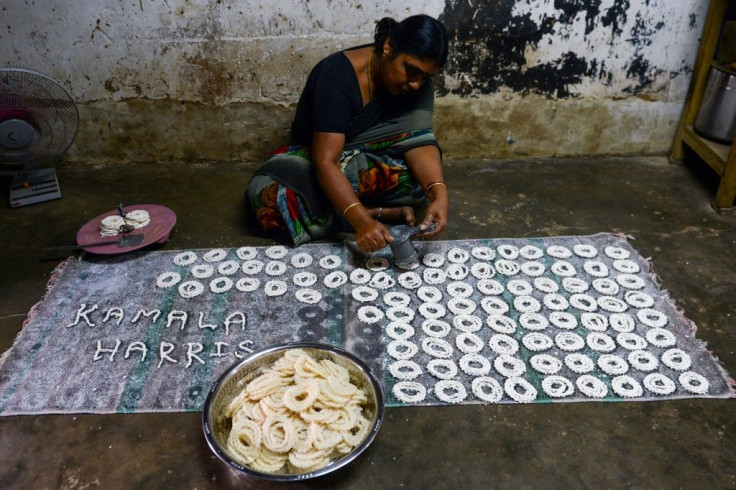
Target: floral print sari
x=376 y=171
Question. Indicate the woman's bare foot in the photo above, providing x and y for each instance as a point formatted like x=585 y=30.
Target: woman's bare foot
x=397 y=215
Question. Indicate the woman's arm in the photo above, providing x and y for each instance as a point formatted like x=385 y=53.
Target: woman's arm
x=425 y=164
x=371 y=235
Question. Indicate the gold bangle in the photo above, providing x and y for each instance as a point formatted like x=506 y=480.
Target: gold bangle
x=345 y=211
x=439 y=182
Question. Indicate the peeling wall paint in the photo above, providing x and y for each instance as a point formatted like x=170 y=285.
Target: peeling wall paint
x=525 y=77
x=570 y=48
x=217 y=52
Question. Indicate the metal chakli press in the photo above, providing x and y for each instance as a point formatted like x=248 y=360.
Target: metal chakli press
x=403 y=249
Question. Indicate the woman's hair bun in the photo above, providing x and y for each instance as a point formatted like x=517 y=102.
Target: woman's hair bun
x=383 y=30
x=419 y=35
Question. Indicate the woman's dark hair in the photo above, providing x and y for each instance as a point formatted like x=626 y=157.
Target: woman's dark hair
x=419 y=35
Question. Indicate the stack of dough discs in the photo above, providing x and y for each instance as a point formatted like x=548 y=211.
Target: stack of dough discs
x=138 y=218
x=110 y=225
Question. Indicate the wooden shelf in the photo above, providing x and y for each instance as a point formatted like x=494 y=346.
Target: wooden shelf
x=721 y=158
x=714 y=154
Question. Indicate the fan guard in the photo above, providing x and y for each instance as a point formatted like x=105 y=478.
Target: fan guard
x=38 y=123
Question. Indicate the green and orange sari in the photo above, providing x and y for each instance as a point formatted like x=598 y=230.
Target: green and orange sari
x=290 y=206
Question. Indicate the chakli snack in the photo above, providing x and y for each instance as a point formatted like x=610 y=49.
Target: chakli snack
x=591 y=386
x=436 y=328
x=370 y=314
x=246 y=253
x=626 y=386
x=112 y=225
x=228 y=268
x=190 y=289
x=532 y=269
x=275 y=268
x=396 y=298
x=545 y=363
x=442 y=368
x=530 y=252
x=302 y=260
x=468 y=343
x=482 y=270
x=304 y=279
x=475 y=364
x=519 y=287
x=221 y=285
x=490 y=287
x=308 y=296
x=298 y=415
x=557 y=386
x=483 y=253
x=252 y=267
x=185 y=258
x=450 y=391
x=429 y=294
x=335 y=279
x=405 y=370
x=434 y=276
x=433 y=260
x=659 y=384
x=409 y=391
x=168 y=279
x=643 y=360
x=503 y=344
x=276 y=252
x=137 y=218
x=381 y=280
x=458 y=255
x=275 y=288
x=579 y=363
x=247 y=284
x=585 y=250
x=694 y=382
x=215 y=255
x=330 y=262
x=432 y=311
x=202 y=271
x=399 y=330
x=364 y=294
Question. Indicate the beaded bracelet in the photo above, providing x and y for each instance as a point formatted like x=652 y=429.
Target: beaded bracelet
x=439 y=182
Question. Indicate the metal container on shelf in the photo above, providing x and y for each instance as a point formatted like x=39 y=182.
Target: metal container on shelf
x=717 y=115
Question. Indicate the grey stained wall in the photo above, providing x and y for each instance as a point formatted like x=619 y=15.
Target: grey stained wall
x=196 y=80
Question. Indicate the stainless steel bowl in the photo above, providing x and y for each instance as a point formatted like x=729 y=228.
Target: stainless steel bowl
x=216 y=425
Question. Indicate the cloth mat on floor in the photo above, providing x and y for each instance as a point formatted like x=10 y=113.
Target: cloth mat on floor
x=477 y=321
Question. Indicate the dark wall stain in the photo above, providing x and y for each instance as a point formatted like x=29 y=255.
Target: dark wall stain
x=641 y=73
x=488 y=44
x=616 y=16
x=572 y=8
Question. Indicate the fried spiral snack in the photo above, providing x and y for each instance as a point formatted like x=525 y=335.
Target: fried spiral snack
x=298 y=415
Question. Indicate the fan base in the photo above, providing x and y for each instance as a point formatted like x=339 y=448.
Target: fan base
x=31 y=188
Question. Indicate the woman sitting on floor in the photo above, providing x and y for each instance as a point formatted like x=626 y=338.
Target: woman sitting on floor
x=361 y=150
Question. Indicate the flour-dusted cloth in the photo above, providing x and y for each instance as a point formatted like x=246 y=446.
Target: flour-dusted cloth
x=477 y=321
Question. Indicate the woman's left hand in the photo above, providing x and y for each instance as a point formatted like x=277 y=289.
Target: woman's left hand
x=425 y=164
x=437 y=213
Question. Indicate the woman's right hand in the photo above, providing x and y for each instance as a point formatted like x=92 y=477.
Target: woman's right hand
x=372 y=236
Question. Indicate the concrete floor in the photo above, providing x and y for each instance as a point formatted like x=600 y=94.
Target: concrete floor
x=665 y=207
